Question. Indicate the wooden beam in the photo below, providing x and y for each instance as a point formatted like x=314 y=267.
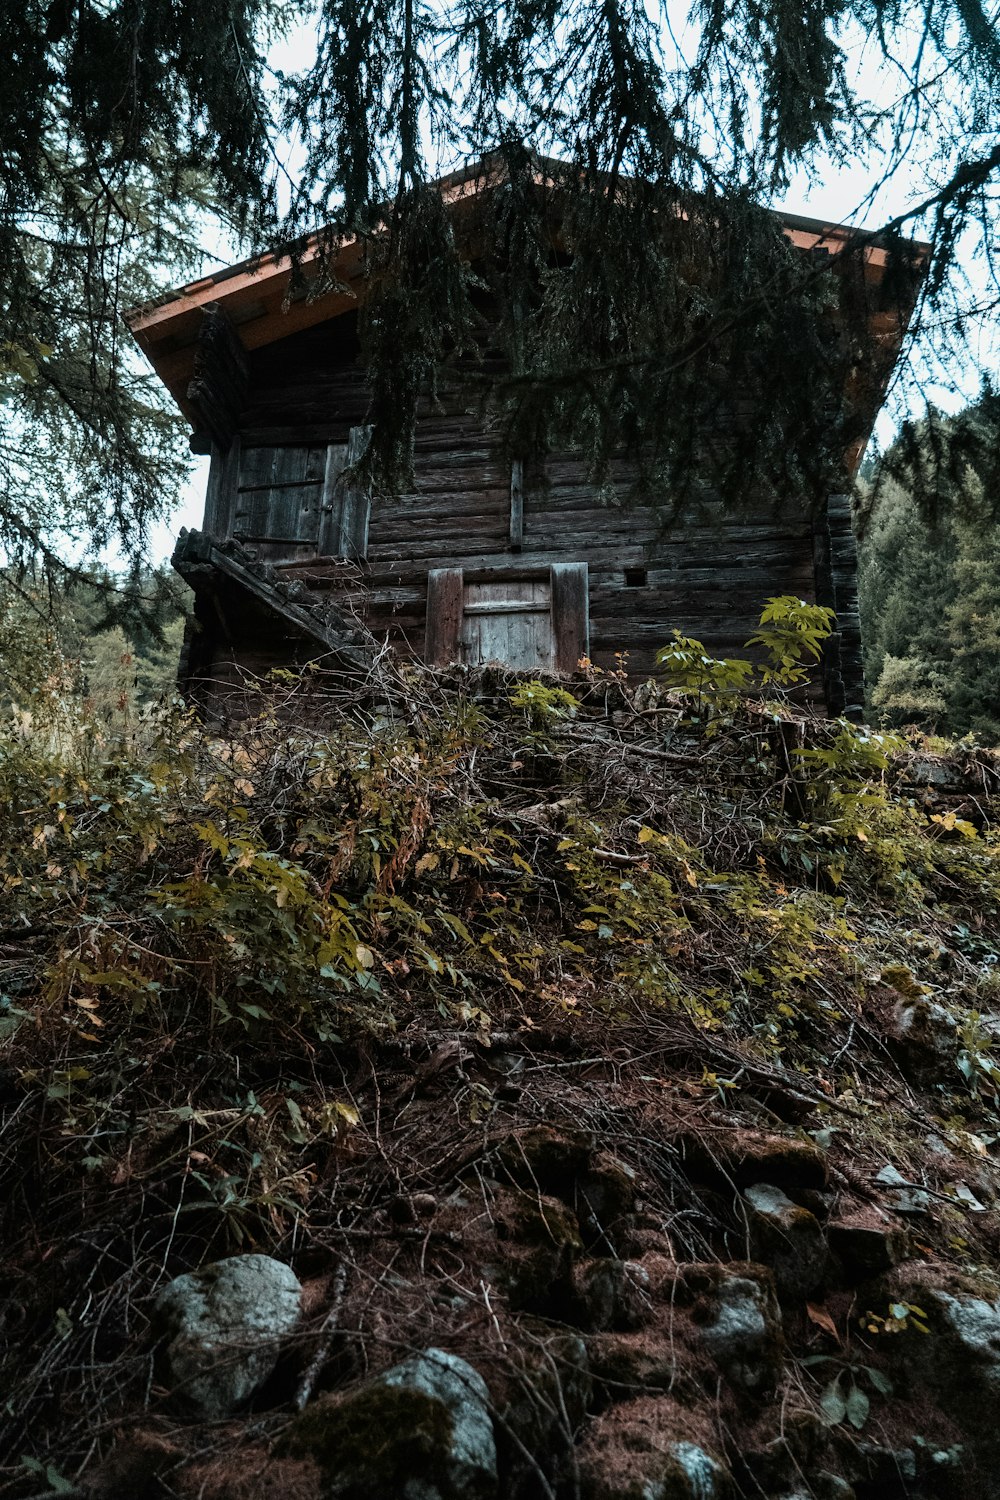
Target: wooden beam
x=445 y=600
x=570 y=613
x=220 y=378
x=517 y=504
x=199 y=560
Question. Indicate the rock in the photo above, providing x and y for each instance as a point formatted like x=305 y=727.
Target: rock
x=704 y=1476
x=566 y=1164
x=538 y=1239
x=639 y=1451
x=225 y=1324
x=787 y=1238
x=866 y=1250
x=740 y=1158
x=922 y=770
x=605 y=1198
x=640 y=1234
x=544 y=1403
x=627 y=1365
x=832 y=1487
x=744 y=1335
x=924 y=1038
x=902 y=1196
x=958 y=1364
x=789 y=1449
x=421 y=1431
x=613 y=1294
x=927 y=1471
x=543 y=1159
x=825 y=1487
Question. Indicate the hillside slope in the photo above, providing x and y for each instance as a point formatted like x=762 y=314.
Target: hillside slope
x=635 y=1052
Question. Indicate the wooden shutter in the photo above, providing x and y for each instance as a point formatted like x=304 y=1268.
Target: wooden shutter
x=220 y=497
x=445 y=603
x=570 y=614
x=509 y=619
x=277 y=499
x=536 y=621
x=346 y=504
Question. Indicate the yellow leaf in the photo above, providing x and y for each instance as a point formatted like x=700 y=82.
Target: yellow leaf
x=365 y=956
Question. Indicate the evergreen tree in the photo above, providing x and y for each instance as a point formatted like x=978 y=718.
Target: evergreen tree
x=71 y=640
x=671 y=285
x=930 y=582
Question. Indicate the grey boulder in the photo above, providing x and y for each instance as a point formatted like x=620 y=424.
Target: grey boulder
x=224 y=1325
x=744 y=1334
x=421 y=1431
x=787 y=1238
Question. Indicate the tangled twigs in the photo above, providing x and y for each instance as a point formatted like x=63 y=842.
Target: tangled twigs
x=324 y=1343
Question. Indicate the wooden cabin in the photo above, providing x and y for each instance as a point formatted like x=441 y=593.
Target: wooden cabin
x=483 y=560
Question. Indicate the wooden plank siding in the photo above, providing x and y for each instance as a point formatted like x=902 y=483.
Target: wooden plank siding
x=471 y=510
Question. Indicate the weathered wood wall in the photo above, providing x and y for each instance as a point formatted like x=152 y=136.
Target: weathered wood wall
x=707 y=576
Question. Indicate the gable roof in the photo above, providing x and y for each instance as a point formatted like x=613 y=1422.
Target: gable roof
x=256 y=295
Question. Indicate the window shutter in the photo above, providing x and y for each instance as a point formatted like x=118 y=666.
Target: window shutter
x=570 y=614
x=445 y=602
x=346 y=503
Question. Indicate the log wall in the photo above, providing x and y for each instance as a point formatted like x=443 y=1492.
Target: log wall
x=706 y=576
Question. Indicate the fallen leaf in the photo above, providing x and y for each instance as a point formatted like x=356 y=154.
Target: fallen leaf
x=822 y=1320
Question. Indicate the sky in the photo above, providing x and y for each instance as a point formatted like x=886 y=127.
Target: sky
x=827 y=191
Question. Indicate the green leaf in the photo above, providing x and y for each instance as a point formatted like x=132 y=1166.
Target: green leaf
x=881 y=1382
x=857 y=1407
x=833 y=1403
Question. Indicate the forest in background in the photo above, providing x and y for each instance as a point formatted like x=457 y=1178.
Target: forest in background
x=929 y=579
x=76 y=641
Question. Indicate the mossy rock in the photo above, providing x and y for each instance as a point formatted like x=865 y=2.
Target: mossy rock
x=422 y=1430
x=543 y=1221
x=605 y=1198
x=741 y=1329
x=391 y=1433
x=567 y=1164
x=547 y=1160
x=538 y=1239
x=786 y=1238
x=613 y=1294
x=741 y=1158
x=627 y=1365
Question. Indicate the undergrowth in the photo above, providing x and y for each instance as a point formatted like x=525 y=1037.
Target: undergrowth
x=200 y=929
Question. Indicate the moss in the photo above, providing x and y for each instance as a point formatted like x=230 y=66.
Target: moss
x=745 y=1157
x=538 y=1240
x=547 y=1160
x=544 y=1221
x=375 y=1440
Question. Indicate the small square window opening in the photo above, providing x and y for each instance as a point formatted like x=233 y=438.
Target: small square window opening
x=636 y=578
